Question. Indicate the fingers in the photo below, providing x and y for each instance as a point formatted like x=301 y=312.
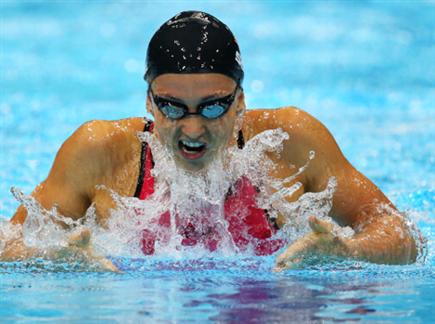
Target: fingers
x=319 y=226
x=80 y=238
x=79 y=244
x=16 y=250
x=286 y=264
x=311 y=243
x=320 y=243
x=86 y=258
x=107 y=265
x=297 y=248
x=293 y=255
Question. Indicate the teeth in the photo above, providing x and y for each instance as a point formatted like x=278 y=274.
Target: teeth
x=192 y=144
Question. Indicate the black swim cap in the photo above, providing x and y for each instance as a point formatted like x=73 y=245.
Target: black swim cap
x=194 y=42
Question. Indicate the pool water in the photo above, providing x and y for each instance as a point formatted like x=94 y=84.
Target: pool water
x=366 y=70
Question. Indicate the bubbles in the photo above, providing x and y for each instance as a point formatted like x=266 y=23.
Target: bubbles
x=204 y=37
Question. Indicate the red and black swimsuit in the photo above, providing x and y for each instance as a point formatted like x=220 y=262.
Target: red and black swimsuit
x=247 y=224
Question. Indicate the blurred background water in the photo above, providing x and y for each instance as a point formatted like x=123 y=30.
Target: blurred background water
x=366 y=69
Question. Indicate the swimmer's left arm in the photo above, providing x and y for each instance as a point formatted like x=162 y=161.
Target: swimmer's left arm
x=381 y=236
x=381 y=233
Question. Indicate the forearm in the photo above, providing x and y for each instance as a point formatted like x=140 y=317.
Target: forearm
x=385 y=240
x=14 y=249
x=17 y=251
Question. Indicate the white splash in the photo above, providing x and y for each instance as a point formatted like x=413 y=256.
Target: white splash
x=193 y=200
x=198 y=198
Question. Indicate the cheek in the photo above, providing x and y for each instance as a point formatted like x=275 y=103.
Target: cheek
x=163 y=130
x=224 y=129
x=164 y=135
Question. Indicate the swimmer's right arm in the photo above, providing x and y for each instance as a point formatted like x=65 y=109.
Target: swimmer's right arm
x=71 y=180
x=69 y=186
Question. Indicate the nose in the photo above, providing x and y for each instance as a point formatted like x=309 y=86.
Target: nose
x=192 y=126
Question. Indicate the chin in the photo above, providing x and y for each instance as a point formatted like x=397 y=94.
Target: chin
x=191 y=165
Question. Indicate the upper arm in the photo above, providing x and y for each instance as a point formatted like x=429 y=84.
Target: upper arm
x=69 y=184
x=355 y=197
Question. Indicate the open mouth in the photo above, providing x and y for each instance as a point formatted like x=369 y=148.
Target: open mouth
x=192 y=149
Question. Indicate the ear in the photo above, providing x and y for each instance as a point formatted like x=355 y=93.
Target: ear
x=241 y=106
x=240 y=111
x=149 y=105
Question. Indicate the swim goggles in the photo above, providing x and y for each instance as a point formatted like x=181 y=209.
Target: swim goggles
x=211 y=109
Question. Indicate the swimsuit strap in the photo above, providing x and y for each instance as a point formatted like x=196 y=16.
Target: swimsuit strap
x=240 y=140
x=143 y=156
x=241 y=145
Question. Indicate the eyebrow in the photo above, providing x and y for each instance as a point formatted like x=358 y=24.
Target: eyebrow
x=209 y=98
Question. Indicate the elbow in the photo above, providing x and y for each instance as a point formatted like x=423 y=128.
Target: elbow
x=409 y=252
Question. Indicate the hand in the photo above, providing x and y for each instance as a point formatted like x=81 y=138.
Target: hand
x=79 y=249
x=321 y=242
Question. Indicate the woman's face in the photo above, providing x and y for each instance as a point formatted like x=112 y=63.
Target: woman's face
x=194 y=140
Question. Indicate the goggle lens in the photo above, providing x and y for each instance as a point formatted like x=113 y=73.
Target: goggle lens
x=172 y=112
x=213 y=111
x=209 y=111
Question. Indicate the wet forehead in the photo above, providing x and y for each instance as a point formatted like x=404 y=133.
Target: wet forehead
x=198 y=85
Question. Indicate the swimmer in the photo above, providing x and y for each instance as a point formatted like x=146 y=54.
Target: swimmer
x=195 y=95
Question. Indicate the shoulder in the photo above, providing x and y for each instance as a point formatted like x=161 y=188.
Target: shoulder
x=100 y=135
x=97 y=145
x=277 y=117
x=296 y=122
x=307 y=137
x=104 y=131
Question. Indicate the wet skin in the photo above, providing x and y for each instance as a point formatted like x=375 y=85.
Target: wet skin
x=108 y=153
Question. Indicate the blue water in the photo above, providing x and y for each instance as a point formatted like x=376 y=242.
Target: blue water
x=365 y=69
